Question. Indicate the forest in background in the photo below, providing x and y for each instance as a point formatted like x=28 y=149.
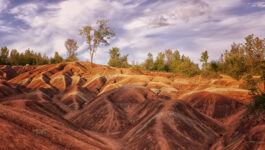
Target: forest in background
x=241 y=60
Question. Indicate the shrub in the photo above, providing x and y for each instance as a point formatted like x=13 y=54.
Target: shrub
x=188 y=68
x=258 y=103
x=71 y=59
x=249 y=83
x=137 y=68
x=209 y=74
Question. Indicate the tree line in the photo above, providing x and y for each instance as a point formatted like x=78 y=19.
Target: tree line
x=29 y=57
x=241 y=60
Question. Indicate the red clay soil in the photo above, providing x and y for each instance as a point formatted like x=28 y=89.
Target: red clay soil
x=74 y=106
x=142 y=120
x=214 y=105
x=9 y=72
x=9 y=89
x=21 y=129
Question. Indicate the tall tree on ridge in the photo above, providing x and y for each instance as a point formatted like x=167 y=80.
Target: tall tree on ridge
x=97 y=36
x=204 y=59
x=71 y=46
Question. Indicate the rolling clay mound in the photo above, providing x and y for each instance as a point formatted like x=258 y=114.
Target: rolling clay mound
x=144 y=121
x=108 y=112
x=76 y=97
x=39 y=101
x=214 y=105
x=7 y=89
x=28 y=130
x=245 y=131
x=95 y=84
x=9 y=72
x=62 y=76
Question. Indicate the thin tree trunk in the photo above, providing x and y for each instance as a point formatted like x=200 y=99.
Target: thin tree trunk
x=91 y=60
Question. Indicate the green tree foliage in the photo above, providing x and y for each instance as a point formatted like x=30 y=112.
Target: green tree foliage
x=116 y=60
x=211 y=71
x=149 y=62
x=204 y=59
x=56 y=59
x=258 y=94
x=71 y=58
x=187 y=67
x=4 y=56
x=172 y=62
x=124 y=61
x=28 y=57
x=169 y=57
x=71 y=46
x=137 y=67
x=175 y=61
x=14 y=57
x=249 y=82
x=213 y=66
x=243 y=59
x=97 y=36
x=159 y=64
x=114 y=57
x=258 y=104
x=254 y=48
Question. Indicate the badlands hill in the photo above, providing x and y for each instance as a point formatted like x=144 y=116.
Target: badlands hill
x=73 y=106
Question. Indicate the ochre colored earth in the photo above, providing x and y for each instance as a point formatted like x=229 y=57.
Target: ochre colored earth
x=73 y=106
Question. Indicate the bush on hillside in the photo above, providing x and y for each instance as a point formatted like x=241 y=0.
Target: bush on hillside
x=249 y=83
x=258 y=103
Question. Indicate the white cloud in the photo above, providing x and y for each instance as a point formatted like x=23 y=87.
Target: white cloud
x=3 y=4
x=258 y=4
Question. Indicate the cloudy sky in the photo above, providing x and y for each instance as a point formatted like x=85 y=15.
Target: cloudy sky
x=141 y=26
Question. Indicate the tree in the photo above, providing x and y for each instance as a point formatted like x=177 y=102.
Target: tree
x=159 y=64
x=149 y=62
x=29 y=57
x=204 y=59
x=116 y=60
x=57 y=58
x=176 y=55
x=255 y=53
x=175 y=62
x=114 y=57
x=187 y=67
x=213 y=66
x=71 y=46
x=39 y=59
x=14 y=57
x=169 y=56
x=4 y=56
x=124 y=61
x=243 y=58
x=97 y=36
